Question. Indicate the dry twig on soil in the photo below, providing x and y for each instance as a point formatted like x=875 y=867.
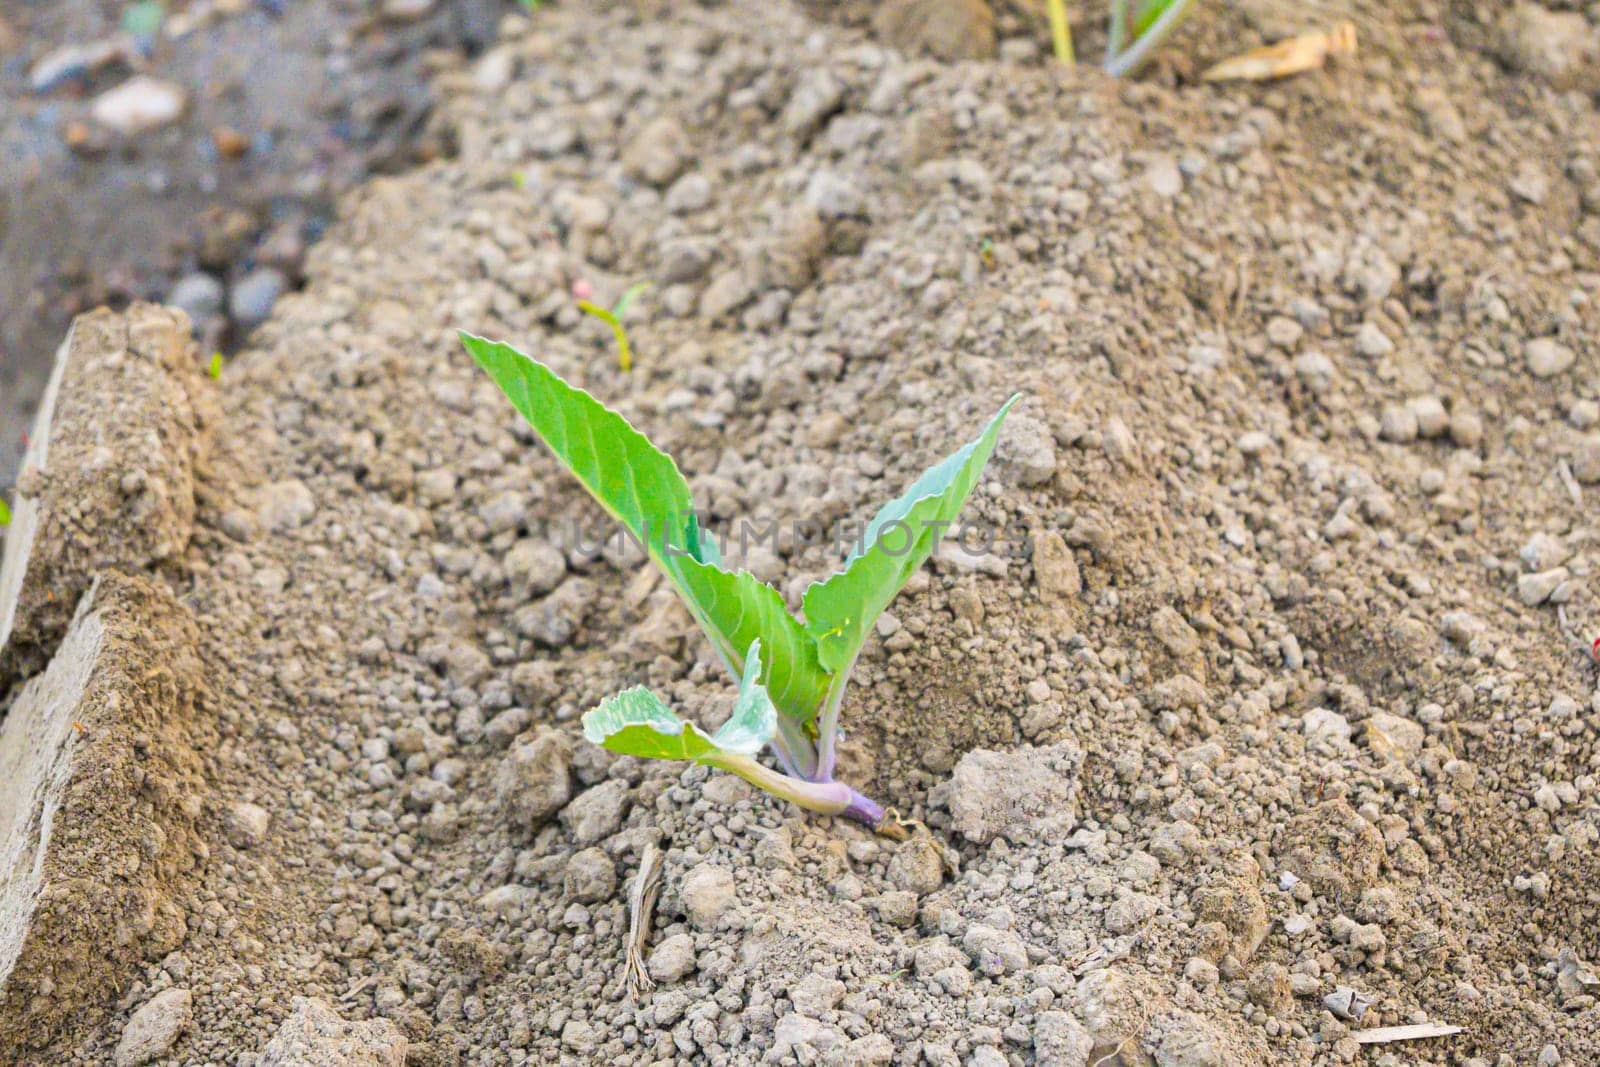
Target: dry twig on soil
x=641 y=909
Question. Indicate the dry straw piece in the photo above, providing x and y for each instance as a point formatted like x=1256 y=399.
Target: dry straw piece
x=1297 y=55
x=641 y=909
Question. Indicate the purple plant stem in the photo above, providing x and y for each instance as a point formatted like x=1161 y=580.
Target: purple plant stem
x=864 y=810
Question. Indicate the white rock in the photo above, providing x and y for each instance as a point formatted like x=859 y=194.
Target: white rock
x=1547 y=357
x=72 y=61
x=1535 y=589
x=286 y=505
x=139 y=105
x=1059 y=1040
x=315 y=1035
x=816 y=994
x=1392 y=738
x=799 y=1038
x=495 y=70
x=1432 y=419
x=1026 y=794
x=247 y=824
x=1254 y=443
x=507 y=899
x=155 y=1028
x=995 y=952
x=407 y=10
x=1323 y=724
x=534 y=780
x=708 y=892
x=1373 y=342
x=1556 y=45
x=673 y=959
x=1544 y=552
x=597 y=812
x=1028 y=449
x=1586 y=463
x=1347 y=1003
x=1187 y=1039
x=1164 y=177
x=951 y=554
x=1399 y=424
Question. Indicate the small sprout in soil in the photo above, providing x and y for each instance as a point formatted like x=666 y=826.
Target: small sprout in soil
x=613 y=317
x=986 y=254
x=1138 y=28
x=1061 y=32
x=791 y=673
x=214 y=368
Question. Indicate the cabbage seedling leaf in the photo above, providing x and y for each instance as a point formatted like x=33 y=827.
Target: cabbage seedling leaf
x=641 y=487
x=754 y=719
x=636 y=722
x=898 y=540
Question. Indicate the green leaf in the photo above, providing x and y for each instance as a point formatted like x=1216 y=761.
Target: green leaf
x=642 y=489
x=741 y=608
x=636 y=722
x=898 y=540
x=634 y=481
x=1145 y=13
x=5 y=513
x=754 y=719
x=625 y=301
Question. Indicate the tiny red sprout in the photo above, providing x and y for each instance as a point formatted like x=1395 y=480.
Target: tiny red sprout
x=582 y=290
x=1595 y=650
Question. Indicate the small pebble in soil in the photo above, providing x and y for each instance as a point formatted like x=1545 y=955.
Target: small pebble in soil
x=255 y=294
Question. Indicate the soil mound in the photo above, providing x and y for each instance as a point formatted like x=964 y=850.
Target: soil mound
x=1291 y=603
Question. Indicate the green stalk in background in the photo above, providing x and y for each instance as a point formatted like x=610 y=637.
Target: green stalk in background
x=1061 y=32
x=1147 y=25
x=1138 y=28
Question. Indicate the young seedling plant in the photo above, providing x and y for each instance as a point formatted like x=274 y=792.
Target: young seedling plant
x=791 y=673
x=612 y=317
x=1138 y=27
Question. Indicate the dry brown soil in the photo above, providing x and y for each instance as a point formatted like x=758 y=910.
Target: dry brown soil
x=1298 y=643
